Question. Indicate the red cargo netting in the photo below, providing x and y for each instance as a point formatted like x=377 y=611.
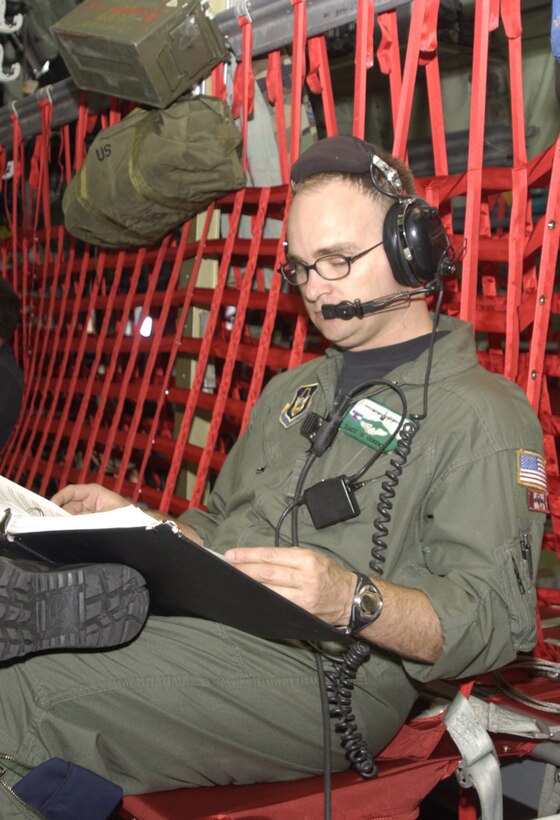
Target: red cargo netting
x=141 y=366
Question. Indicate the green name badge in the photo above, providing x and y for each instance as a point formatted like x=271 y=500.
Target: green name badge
x=372 y=423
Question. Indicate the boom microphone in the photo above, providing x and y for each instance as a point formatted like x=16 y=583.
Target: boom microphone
x=358 y=309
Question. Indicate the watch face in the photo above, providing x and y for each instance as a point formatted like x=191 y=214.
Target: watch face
x=369 y=604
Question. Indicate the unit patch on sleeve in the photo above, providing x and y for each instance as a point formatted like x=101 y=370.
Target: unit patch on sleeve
x=299 y=406
x=372 y=424
x=537 y=501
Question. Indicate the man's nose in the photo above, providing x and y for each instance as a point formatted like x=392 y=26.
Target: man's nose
x=315 y=286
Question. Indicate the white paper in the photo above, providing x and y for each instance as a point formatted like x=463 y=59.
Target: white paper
x=18 y=498
x=29 y=512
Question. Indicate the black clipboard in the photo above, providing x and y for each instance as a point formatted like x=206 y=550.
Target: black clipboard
x=183 y=578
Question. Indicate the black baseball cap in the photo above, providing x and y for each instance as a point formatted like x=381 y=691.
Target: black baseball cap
x=341 y=154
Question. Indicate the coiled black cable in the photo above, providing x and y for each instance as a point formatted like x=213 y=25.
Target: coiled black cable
x=340 y=680
x=340 y=684
x=389 y=485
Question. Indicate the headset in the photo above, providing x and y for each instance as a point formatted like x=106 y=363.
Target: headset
x=414 y=239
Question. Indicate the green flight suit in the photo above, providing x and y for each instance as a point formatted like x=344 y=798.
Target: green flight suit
x=194 y=703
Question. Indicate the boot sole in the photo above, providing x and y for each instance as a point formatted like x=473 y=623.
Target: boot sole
x=89 y=607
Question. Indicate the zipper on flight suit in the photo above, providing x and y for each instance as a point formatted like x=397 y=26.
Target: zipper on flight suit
x=11 y=792
x=520 y=583
x=526 y=552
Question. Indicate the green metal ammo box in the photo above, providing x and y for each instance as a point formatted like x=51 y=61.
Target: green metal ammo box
x=149 y=51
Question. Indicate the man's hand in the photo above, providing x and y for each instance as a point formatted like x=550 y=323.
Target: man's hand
x=88 y=498
x=305 y=577
x=79 y=499
x=408 y=625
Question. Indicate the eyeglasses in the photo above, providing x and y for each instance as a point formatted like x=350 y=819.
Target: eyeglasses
x=332 y=266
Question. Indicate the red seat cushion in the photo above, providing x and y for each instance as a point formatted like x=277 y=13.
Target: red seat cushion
x=395 y=794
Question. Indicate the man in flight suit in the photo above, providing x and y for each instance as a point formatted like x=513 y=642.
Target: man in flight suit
x=430 y=563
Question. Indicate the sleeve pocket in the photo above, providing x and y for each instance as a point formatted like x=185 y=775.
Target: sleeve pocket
x=518 y=591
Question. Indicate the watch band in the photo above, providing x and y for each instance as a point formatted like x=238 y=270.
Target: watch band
x=367 y=604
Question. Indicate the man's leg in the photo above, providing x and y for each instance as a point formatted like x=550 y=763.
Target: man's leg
x=48 y=608
x=188 y=703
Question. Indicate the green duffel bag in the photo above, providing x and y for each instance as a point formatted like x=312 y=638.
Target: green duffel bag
x=152 y=171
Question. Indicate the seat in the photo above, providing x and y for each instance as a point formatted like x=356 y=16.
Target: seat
x=427 y=749
x=418 y=758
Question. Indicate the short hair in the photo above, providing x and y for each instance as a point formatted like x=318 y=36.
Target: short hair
x=9 y=310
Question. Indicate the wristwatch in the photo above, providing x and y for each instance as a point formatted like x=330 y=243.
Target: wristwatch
x=367 y=604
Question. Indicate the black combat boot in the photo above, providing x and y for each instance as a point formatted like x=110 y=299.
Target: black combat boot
x=47 y=608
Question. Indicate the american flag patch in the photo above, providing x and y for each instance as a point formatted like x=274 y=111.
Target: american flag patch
x=531 y=470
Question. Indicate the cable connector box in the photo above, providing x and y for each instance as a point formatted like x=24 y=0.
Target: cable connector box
x=330 y=501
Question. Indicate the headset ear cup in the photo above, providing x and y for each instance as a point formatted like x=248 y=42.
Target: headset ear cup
x=415 y=241
x=393 y=247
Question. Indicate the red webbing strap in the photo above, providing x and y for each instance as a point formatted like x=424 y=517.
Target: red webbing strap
x=39 y=344
x=149 y=378
x=101 y=345
x=46 y=106
x=60 y=394
x=429 y=58
x=132 y=365
x=547 y=268
x=22 y=284
x=18 y=180
x=145 y=365
x=362 y=61
x=38 y=165
x=511 y=16
x=233 y=348
x=151 y=375
x=275 y=94
x=298 y=341
x=180 y=323
x=402 y=122
x=483 y=12
x=36 y=392
x=218 y=83
x=83 y=126
x=84 y=307
x=548 y=601
x=248 y=92
x=93 y=366
x=80 y=131
x=539 y=170
x=468 y=805
x=65 y=155
x=267 y=328
x=111 y=376
x=319 y=80
x=126 y=315
x=198 y=381
x=115 y=112
x=298 y=75
x=244 y=82
x=389 y=56
x=550 y=425
x=205 y=349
